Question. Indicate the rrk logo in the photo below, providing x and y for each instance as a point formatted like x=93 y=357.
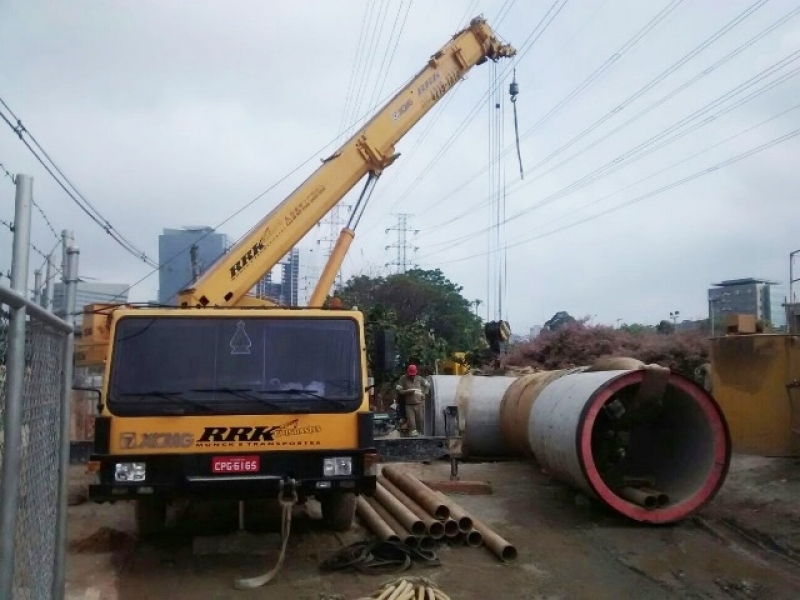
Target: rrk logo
x=127 y=439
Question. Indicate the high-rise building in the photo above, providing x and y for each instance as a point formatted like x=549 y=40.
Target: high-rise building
x=90 y=292
x=285 y=291
x=182 y=253
x=748 y=296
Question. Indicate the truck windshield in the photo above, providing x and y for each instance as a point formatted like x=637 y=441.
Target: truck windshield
x=224 y=365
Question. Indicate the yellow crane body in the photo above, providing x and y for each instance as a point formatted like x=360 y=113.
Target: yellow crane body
x=226 y=395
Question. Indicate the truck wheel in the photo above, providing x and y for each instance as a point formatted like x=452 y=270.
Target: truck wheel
x=151 y=517
x=338 y=510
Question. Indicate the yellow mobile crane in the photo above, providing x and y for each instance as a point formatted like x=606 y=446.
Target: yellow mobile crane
x=230 y=396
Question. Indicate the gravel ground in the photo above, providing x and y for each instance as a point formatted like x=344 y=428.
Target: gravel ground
x=746 y=544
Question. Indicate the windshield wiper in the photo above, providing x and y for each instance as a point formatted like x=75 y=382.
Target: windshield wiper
x=174 y=396
x=245 y=393
x=305 y=392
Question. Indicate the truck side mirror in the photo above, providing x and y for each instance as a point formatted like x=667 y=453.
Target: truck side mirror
x=384 y=352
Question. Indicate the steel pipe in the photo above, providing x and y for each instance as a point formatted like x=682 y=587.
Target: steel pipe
x=451 y=527
x=406 y=518
x=474 y=538
x=433 y=527
x=457 y=513
x=460 y=539
x=501 y=548
x=417 y=491
x=405 y=536
x=374 y=522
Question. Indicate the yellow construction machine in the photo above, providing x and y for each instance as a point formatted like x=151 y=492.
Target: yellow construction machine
x=231 y=396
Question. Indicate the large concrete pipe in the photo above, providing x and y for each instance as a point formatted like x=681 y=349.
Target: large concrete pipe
x=605 y=432
x=478 y=401
x=649 y=443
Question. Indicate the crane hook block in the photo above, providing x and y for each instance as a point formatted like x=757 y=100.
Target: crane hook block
x=513 y=90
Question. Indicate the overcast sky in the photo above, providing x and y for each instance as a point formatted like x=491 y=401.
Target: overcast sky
x=173 y=113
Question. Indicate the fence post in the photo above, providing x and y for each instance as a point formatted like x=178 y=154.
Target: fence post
x=47 y=294
x=37 y=285
x=70 y=289
x=15 y=377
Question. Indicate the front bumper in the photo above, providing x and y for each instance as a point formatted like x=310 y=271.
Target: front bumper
x=191 y=476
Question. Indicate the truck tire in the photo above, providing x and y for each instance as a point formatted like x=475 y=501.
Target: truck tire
x=338 y=510
x=151 y=517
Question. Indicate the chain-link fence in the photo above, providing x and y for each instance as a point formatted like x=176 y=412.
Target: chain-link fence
x=37 y=504
x=36 y=356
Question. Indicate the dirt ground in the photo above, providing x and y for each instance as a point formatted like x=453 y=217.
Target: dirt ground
x=746 y=544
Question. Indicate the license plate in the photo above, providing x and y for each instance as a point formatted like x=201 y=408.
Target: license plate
x=235 y=464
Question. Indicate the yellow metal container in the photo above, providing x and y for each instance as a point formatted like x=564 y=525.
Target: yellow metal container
x=749 y=374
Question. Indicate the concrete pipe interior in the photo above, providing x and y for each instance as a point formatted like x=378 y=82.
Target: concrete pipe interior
x=678 y=447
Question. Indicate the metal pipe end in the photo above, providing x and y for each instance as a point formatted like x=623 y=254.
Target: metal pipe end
x=451 y=528
x=474 y=538
x=436 y=530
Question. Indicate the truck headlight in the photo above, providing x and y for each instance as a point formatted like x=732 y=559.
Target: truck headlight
x=129 y=472
x=337 y=466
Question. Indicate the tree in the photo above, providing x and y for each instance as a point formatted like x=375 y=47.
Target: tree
x=558 y=320
x=665 y=327
x=427 y=311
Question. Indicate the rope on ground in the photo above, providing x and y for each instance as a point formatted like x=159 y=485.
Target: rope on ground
x=378 y=556
x=287 y=503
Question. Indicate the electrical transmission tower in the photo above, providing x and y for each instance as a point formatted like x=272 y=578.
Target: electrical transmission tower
x=403 y=245
x=335 y=221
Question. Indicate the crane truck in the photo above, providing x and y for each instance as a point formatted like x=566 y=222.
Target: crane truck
x=231 y=396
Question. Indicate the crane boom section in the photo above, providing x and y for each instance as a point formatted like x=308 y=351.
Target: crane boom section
x=371 y=149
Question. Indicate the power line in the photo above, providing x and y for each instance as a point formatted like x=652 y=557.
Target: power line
x=593 y=77
x=247 y=205
x=638 y=152
x=83 y=203
x=647 y=195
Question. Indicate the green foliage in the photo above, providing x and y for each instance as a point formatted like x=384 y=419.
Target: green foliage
x=427 y=311
x=637 y=329
x=558 y=320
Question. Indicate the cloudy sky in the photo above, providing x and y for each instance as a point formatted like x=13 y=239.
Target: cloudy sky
x=165 y=114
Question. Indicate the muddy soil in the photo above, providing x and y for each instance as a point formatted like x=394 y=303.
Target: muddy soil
x=744 y=545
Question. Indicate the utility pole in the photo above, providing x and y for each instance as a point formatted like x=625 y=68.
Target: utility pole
x=403 y=245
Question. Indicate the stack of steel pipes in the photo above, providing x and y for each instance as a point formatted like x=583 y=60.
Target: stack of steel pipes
x=648 y=443
x=406 y=510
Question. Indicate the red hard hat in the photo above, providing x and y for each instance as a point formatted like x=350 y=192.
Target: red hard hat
x=412 y=370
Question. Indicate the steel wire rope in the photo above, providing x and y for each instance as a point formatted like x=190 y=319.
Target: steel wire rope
x=485 y=97
x=530 y=41
x=674 y=67
x=652 y=24
x=647 y=195
x=630 y=156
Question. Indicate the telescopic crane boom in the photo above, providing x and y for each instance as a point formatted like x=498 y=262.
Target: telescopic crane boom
x=368 y=152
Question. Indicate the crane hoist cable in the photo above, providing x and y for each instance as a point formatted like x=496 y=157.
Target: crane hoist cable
x=513 y=90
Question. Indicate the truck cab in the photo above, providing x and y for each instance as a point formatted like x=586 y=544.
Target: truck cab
x=235 y=403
